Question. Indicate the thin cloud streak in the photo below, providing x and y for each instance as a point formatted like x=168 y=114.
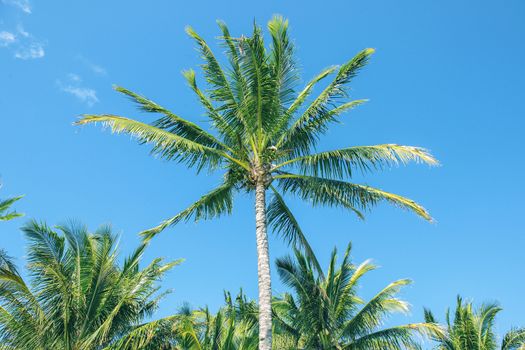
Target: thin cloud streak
x=23 y=5
x=82 y=93
x=22 y=44
x=86 y=95
x=95 y=68
x=31 y=51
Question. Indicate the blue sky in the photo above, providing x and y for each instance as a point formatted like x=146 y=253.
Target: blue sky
x=447 y=75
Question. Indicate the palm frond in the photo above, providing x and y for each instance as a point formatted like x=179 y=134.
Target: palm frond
x=303 y=133
x=215 y=76
x=172 y=122
x=259 y=101
x=282 y=221
x=223 y=125
x=322 y=191
x=514 y=340
x=153 y=335
x=282 y=60
x=166 y=144
x=343 y=162
x=213 y=204
x=372 y=313
x=395 y=338
x=5 y=204
x=283 y=71
x=300 y=138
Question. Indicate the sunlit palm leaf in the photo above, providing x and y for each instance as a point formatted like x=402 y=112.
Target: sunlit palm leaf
x=166 y=144
x=322 y=191
x=343 y=162
x=215 y=203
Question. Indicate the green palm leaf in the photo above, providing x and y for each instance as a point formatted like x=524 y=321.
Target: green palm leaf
x=5 y=214
x=172 y=122
x=323 y=191
x=166 y=144
x=343 y=162
x=283 y=222
x=215 y=203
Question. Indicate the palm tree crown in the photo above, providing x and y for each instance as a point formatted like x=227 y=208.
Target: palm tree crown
x=79 y=297
x=264 y=132
x=263 y=135
x=325 y=312
x=473 y=329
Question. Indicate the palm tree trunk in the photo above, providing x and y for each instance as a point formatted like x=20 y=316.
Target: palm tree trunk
x=263 y=269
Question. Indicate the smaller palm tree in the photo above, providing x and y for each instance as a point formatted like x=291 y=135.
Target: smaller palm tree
x=233 y=327
x=473 y=329
x=5 y=204
x=325 y=312
x=80 y=297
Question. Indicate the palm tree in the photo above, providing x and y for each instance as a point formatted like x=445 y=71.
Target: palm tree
x=233 y=327
x=325 y=312
x=79 y=296
x=263 y=135
x=5 y=214
x=473 y=329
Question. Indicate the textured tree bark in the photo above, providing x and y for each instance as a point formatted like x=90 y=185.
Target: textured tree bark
x=263 y=269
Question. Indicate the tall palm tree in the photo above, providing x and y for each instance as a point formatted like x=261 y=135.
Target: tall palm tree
x=473 y=329
x=79 y=296
x=324 y=311
x=263 y=135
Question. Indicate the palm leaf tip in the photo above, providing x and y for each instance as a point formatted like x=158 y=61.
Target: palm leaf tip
x=419 y=210
x=87 y=119
x=149 y=234
x=424 y=156
x=189 y=30
x=405 y=203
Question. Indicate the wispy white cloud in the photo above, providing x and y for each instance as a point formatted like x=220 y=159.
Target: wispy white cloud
x=98 y=69
x=72 y=86
x=20 y=29
x=23 y=5
x=95 y=68
x=22 y=44
x=30 y=51
x=7 y=38
x=74 y=77
x=87 y=95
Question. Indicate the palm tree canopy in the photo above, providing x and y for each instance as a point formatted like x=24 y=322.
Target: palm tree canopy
x=473 y=329
x=325 y=311
x=79 y=296
x=264 y=128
